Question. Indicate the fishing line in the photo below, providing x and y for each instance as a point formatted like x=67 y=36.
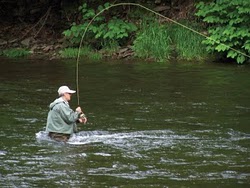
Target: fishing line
x=156 y=13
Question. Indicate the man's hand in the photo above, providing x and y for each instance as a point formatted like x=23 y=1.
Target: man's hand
x=83 y=120
x=78 y=109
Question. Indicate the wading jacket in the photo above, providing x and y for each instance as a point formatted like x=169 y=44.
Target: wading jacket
x=61 y=118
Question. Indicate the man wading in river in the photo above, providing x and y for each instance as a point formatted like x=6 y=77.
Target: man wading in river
x=61 y=121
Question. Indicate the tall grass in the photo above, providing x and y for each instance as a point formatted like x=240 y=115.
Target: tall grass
x=160 y=41
x=188 y=44
x=15 y=52
x=84 y=51
x=152 y=41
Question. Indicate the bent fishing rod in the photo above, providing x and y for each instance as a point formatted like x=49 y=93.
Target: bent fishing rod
x=156 y=13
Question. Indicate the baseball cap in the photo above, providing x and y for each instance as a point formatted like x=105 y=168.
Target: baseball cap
x=65 y=89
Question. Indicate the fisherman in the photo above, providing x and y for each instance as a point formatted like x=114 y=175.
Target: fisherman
x=61 y=120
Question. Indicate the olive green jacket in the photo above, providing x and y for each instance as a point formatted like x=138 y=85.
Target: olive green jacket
x=61 y=118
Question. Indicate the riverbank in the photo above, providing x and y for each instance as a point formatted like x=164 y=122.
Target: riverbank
x=44 y=43
x=49 y=43
x=45 y=39
x=40 y=41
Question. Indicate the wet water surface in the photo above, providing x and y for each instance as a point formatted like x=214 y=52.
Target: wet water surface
x=150 y=125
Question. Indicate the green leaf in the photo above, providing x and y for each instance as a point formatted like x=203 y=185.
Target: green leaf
x=74 y=28
x=211 y=19
x=107 y=35
x=221 y=47
x=67 y=33
x=94 y=29
x=244 y=10
x=106 y=5
x=247 y=45
x=240 y=59
x=100 y=8
x=229 y=30
x=232 y=54
x=98 y=35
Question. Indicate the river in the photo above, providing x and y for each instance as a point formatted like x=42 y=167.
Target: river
x=178 y=124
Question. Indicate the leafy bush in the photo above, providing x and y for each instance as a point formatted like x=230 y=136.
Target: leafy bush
x=229 y=27
x=101 y=32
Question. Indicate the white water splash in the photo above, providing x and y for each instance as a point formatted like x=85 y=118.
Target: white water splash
x=147 y=139
x=129 y=141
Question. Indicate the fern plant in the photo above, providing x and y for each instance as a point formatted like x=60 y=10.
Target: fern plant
x=229 y=27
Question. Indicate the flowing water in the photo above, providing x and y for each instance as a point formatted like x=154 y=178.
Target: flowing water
x=149 y=125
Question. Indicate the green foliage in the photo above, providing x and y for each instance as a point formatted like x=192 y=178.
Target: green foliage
x=229 y=27
x=70 y=52
x=84 y=51
x=152 y=41
x=101 y=31
x=15 y=52
x=95 y=56
x=158 y=41
x=188 y=45
x=110 y=48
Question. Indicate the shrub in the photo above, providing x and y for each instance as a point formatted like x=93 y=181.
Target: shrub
x=101 y=31
x=229 y=27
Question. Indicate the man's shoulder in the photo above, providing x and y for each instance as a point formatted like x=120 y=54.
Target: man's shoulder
x=57 y=103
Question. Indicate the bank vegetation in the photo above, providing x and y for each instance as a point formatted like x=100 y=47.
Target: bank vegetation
x=150 y=30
